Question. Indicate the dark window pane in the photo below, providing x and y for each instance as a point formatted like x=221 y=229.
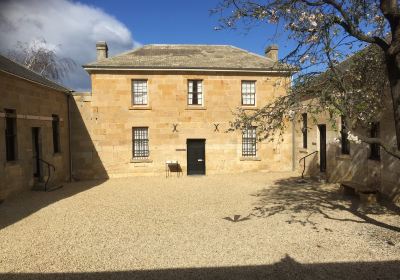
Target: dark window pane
x=11 y=135
x=375 y=150
x=304 y=130
x=344 y=137
x=56 y=133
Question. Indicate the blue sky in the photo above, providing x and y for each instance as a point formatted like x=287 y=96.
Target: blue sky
x=72 y=28
x=184 y=22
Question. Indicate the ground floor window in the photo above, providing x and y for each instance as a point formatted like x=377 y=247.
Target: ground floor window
x=140 y=142
x=344 y=137
x=56 y=133
x=249 y=142
x=11 y=134
x=375 y=152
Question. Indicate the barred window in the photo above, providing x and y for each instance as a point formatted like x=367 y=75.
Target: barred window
x=11 y=134
x=248 y=92
x=249 y=142
x=375 y=150
x=195 y=92
x=344 y=137
x=56 y=133
x=304 y=130
x=140 y=142
x=139 y=92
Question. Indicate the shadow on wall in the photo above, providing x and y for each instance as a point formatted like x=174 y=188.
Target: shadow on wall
x=18 y=207
x=303 y=201
x=86 y=163
x=287 y=268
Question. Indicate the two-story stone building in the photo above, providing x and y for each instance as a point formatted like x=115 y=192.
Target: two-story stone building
x=174 y=103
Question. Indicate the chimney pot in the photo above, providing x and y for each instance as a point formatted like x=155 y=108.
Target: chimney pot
x=272 y=52
x=101 y=50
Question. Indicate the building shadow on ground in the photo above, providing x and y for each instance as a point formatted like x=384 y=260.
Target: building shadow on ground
x=287 y=268
x=26 y=203
x=305 y=199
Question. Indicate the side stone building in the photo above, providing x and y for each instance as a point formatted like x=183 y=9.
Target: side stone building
x=34 y=130
x=168 y=108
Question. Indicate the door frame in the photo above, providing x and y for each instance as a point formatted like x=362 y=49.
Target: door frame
x=322 y=148
x=36 y=152
x=187 y=154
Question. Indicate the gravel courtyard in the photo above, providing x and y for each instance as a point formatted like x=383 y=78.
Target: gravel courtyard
x=242 y=226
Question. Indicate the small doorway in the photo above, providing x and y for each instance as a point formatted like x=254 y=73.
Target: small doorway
x=196 y=157
x=322 y=147
x=36 y=152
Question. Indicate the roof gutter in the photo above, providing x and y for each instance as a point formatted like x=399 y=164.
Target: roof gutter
x=88 y=68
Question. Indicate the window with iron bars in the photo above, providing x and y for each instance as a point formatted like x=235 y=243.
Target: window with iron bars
x=140 y=142
x=249 y=142
x=195 y=92
x=344 y=137
x=11 y=134
x=248 y=92
x=139 y=92
x=375 y=150
x=304 y=130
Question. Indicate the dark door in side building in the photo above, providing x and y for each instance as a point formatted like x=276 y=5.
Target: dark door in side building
x=196 y=157
x=36 y=149
x=322 y=147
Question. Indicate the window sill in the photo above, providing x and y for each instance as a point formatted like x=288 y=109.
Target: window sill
x=250 y=159
x=140 y=107
x=249 y=107
x=343 y=157
x=141 y=160
x=303 y=151
x=11 y=163
x=195 y=107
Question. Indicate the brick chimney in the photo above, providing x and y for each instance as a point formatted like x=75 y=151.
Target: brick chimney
x=101 y=50
x=272 y=52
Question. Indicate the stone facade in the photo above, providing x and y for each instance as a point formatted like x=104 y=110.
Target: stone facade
x=102 y=123
x=382 y=175
x=34 y=104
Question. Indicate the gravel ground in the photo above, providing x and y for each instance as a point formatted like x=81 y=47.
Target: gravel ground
x=242 y=226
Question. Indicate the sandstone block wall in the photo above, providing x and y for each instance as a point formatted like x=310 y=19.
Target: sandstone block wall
x=103 y=121
x=32 y=102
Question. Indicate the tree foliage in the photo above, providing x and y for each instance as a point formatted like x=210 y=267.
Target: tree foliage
x=39 y=57
x=347 y=53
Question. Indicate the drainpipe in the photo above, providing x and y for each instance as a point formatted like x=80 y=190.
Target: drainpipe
x=69 y=136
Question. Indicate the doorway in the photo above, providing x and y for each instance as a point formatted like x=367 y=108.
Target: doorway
x=322 y=147
x=36 y=152
x=196 y=157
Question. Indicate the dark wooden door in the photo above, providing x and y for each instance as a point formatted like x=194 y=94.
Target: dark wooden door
x=36 y=151
x=196 y=157
x=322 y=147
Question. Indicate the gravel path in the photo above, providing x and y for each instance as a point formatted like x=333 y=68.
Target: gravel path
x=244 y=226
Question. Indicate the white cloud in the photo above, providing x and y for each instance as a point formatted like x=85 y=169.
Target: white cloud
x=72 y=26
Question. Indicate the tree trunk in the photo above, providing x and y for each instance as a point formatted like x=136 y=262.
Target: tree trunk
x=393 y=68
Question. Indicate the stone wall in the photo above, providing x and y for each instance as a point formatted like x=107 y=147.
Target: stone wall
x=103 y=122
x=34 y=105
x=383 y=175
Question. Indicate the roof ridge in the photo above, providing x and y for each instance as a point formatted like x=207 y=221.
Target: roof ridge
x=254 y=54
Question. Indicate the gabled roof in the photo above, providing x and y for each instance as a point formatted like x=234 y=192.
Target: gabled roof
x=11 y=67
x=191 y=57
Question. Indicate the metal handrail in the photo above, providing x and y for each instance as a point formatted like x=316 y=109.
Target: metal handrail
x=48 y=170
x=304 y=166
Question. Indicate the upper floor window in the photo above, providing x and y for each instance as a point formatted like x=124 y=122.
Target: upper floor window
x=248 y=93
x=375 y=152
x=344 y=137
x=55 y=123
x=139 y=92
x=11 y=134
x=195 y=92
x=140 y=142
x=249 y=142
x=304 y=130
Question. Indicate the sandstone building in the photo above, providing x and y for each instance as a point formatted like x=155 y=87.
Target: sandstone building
x=174 y=103
x=34 y=129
